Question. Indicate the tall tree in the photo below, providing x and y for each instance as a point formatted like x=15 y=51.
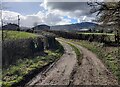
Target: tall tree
x=109 y=13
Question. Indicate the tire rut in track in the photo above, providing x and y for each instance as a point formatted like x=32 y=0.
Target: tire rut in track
x=92 y=71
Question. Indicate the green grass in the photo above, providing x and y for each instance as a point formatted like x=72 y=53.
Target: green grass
x=13 y=35
x=15 y=73
x=77 y=51
x=97 y=33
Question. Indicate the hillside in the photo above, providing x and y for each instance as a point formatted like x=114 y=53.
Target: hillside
x=76 y=26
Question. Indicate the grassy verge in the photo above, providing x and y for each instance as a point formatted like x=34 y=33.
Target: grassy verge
x=16 y=73
x=108 y=57
x=13 y=35
x=78 y=53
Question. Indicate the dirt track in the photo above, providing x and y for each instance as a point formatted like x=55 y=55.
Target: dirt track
x=66 y=71
x=61 y=72
x=92 y=71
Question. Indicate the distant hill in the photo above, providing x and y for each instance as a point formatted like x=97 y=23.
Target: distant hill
x=41 y=27
x=10 y=26
x=76 y=26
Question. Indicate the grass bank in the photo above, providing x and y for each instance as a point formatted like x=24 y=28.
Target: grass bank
x=23 y=68
x=16 y=73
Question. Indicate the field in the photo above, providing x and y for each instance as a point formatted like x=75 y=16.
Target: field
x=111 y=36
x=97 y=33
x=14 y=35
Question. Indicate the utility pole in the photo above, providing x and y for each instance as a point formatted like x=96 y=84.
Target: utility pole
x=18 y=21
x=1 y=39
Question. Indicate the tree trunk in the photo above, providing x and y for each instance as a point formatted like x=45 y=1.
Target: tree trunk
x=118 y=35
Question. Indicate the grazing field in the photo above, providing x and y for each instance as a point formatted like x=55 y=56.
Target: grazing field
x=97 y=33
x=13 y=35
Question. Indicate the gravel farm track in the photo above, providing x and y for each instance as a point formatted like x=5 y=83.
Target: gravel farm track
x=67 y=71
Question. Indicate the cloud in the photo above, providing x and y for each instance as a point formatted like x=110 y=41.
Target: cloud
x=12 y=0
x=22 y=0
x=52 y=13
x=68 y=6
x=84 y=18
x=74 y=10
x=11 y=17
x=80 y=8
x=29 y=20
x=64 y=21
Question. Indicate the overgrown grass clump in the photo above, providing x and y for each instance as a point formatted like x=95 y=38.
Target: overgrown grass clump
x=14 y=35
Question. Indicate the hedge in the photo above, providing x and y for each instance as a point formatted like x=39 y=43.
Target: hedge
x=90 y=37
x=13 y=50
x=22 y=48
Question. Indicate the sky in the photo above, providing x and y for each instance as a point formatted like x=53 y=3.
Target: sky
x=33 y=12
